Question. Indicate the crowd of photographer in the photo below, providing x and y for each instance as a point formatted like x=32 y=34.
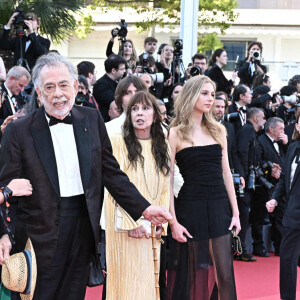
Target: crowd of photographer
x=260 y=121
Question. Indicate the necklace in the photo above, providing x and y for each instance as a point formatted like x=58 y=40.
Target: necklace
x=156 y=194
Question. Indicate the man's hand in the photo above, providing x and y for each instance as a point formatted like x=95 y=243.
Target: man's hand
x=5 y=247
x=20 y=187
x=12 y=19
x=6 y=122
x=243 y=183
x=157 y=214
x=270 y=205
x=284 y=138
x=32 y=27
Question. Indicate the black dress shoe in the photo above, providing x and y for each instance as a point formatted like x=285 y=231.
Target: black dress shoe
x=262 y=252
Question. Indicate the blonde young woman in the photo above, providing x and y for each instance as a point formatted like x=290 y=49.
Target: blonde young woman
x=205 y=210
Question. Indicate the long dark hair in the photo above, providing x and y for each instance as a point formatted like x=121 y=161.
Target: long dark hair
x=160 y=149
x=214 y=56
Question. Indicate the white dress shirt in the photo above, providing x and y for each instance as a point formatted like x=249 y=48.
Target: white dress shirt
x=12 y=101
x=243 y=117
x=293 y=170
x=67 y=162
x=275 y=144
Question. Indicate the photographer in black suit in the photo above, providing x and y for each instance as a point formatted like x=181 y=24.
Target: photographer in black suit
x=249 y=67
x=242 y=98
x=249 y=154
x=289 y=186
x=28 y=47
x=273 y=145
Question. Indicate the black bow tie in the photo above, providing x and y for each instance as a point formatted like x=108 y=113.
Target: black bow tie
x=274 y=142
x=242 y=109
x=53 y=121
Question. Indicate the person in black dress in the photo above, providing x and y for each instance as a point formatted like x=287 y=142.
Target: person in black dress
x=205 y=210
x=217 y=61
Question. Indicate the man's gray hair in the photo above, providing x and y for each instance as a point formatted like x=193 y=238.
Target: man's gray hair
x=52 y=59
x=17 y=72
x=252 y=112
x=272 y=122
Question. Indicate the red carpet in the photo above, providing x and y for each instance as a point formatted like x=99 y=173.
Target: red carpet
x=254 y=281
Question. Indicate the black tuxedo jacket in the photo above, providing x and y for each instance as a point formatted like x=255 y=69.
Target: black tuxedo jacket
x=268 y=151
x=5 y=109
x=291 y=217
x=244 y=71
x=237 y=124
x=27 y=152
x=233 y=158
x=37 y=47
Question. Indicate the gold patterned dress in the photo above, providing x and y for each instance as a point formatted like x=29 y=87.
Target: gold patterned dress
x=130 y=266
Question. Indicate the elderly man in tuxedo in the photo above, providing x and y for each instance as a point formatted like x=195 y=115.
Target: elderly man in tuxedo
x=64 y=151
x=289 y=186
x=11 y=98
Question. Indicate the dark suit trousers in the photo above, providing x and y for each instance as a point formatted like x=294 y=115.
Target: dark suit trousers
x=289 y=254
x=67 y=276
x=257 y=215
x=244 y=207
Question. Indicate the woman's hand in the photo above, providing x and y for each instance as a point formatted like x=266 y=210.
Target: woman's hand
x=270 y=205
x=179 y=232
x=234 y=76
x=138 y=233
x=235 y=222
x=20 y=187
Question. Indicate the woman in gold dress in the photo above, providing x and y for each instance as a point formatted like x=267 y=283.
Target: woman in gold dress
x=143 y=154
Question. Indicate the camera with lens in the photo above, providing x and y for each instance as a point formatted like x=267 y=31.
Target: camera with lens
x=239 y=191
x=256 y=55
x=19 y=23
x=258 y=175
x=290 y=99
x=122 y=31
x=196 y=70
x=81 y=98
x=231 y=117
x=178 y=46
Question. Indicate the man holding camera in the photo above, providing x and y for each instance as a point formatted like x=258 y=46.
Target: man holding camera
x=242 y=98
x=251 y=66
x=273 y=145
x=249 y=155
x=28 y=48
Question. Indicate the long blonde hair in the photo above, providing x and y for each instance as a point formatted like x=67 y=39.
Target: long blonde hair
x=184 y=108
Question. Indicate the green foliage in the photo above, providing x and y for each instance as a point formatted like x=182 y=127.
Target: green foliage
x=209 y=42
x=58 y=19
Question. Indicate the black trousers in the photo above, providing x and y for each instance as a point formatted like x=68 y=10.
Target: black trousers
x=68 y=273
x=257 y=215
x=244 y=207
x=289 y=254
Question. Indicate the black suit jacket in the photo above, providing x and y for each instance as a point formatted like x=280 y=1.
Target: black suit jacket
x=37 y=47
x=104 y=93
x=27 y=152
x=244 y=71
x=233 y=158
x=5 y=109
x=291 y=217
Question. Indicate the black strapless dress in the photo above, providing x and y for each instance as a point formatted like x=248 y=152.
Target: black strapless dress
x=203 y=208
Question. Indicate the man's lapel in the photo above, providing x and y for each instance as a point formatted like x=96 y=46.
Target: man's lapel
x=43 y=143
x=83 y=142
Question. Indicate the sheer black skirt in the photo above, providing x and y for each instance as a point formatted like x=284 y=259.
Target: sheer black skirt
x=196 y=266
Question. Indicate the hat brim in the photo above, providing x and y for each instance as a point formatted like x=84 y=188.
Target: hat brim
x=29 y=247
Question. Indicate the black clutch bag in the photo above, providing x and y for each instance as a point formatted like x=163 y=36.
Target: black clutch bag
x=97 y=266
x=236 y=243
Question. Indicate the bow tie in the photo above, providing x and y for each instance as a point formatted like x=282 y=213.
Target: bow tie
x=274 y=142
x=53 y=121
x=242 y=109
